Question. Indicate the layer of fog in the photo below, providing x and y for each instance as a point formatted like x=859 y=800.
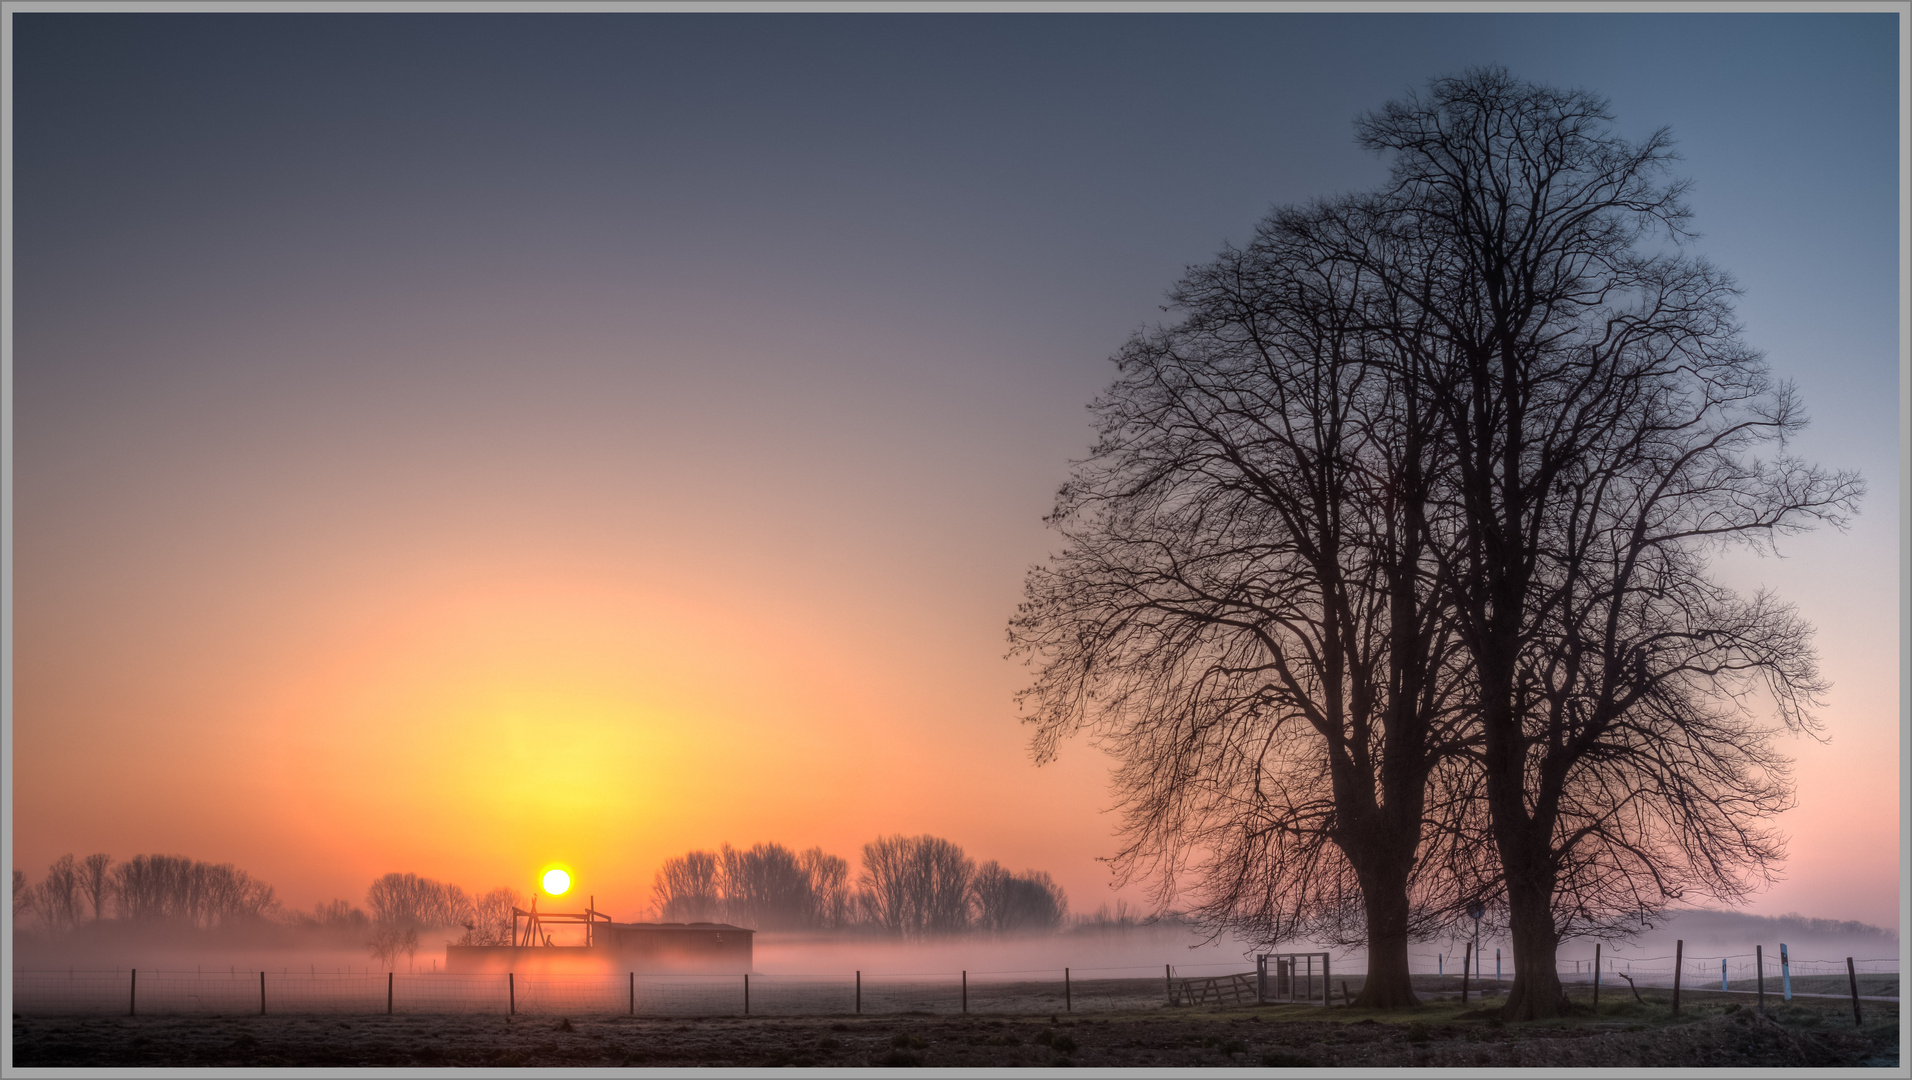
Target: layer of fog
x=1090 y=953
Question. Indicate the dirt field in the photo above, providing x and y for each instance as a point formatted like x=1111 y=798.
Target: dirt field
x=1714 y=1030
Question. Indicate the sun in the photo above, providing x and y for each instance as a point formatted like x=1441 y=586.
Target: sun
x=556 y=881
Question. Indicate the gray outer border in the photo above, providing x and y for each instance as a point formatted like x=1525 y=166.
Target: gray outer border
x=7 y=8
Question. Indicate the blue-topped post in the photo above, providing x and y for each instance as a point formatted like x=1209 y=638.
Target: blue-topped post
x=1722 y=973
x=1785 y=972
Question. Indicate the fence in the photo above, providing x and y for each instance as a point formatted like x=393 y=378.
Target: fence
x=288 y=991
x=1735 y=973
x=1039 y=992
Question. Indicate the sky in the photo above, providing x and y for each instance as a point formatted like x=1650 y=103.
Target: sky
x=452 y=443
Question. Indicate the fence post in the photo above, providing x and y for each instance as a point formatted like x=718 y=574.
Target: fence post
x=633 y=993
x=965 y=990
x=1759 y=972
x=746 y=993
x=1467 y=962
x=1596 y=975
x=1785 y=972
x=511 y=987
x=1067 y=1003
x=262 y=993
x=859 y=993
x=1679 y=953
x=1168 y=982
x=1852 y=978
x=1325 y=957
x=1497 y=965
x=132 y=995
x=388 y=993
x=1722 y=974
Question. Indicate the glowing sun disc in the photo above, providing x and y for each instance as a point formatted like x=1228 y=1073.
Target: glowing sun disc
x=556 y=882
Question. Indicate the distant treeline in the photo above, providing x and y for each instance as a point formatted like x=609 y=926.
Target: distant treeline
x=145 y=888
x=909 y=886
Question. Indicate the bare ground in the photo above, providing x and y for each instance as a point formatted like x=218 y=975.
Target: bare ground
x=1621 y=1035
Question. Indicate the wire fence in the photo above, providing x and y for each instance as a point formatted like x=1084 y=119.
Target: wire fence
x=288 y=991
x=1036 y=992
x=1784 y=975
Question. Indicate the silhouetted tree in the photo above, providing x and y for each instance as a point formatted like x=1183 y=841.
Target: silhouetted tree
x=916 y=886
x=407 y=900
x=687 y=888
x=829 y=877
x=178 y=889
x=490 y=920
x=1608 y=431
x=1247 y=610
x=1007 y=903
x=765 y=888
x=95 y=882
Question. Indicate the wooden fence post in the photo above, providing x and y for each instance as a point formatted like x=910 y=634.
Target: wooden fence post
x=633 y=993
x=746 y=993
x=1467 y=963
x=965 y=990
x=1168 y=982
x=262 y=993
x=1679 y=954
x=511 y=987
x=132 y=995
x=859 y=993
x=1596 y=975
x=388 y=993
x=1785 y=972
x=1759 y=972
x=1852 y=979
x=1067 y=1003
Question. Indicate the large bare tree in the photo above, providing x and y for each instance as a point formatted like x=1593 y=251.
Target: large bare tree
x=1608 y=429
x=1247 y=612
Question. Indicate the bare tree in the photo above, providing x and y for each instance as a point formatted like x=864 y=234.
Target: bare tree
x=20 y=888
x=766 y=888
x=1007 y=903
x=95 y=882
x=1608 y=430
x=1247 y=610
x=916 y=886
x=829 y=877
x=409 y=900
x=490 y=920
x=687 y=888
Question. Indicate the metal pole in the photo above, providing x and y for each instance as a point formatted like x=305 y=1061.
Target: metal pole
x=1679 y=953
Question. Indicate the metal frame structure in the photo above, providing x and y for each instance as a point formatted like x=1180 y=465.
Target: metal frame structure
x=1291 y=978
x=534 y=923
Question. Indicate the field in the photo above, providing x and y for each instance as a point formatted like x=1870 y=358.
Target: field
x=1714 y=1029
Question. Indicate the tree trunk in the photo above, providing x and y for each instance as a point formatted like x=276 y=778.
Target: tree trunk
x=1384 y=898
x=1536 y=993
